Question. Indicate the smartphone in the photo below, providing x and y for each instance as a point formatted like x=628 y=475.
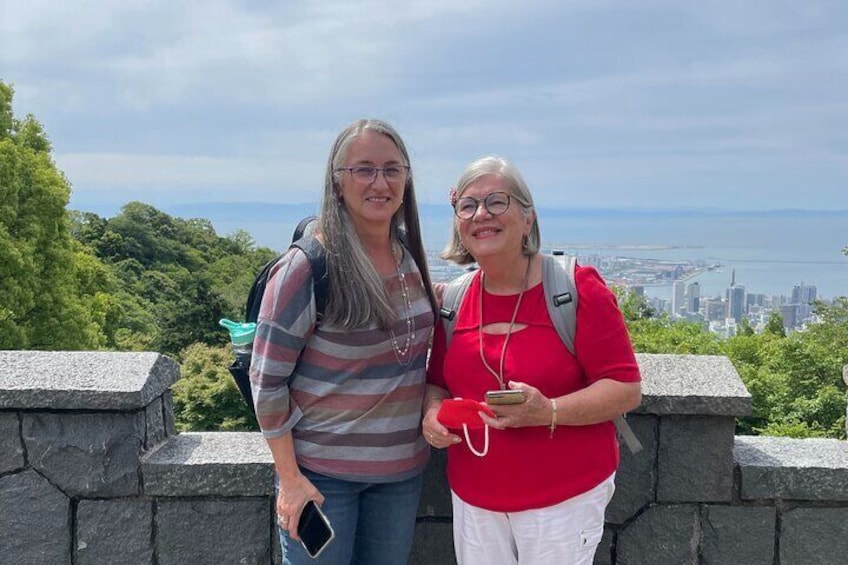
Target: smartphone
x=314 y=530
x=505 y=397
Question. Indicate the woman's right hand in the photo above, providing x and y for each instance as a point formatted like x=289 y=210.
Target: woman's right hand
x=293 y=494
x=434 y=432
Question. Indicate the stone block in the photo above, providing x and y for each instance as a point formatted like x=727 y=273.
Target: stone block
x=661 y=534
x=813 y=536
x=433 y=543
x=35 y=520
x=636 y=475
x=86 y=455
x=83 y=380
x=168 y=413
x=736 y=534
x=695 y=459
x=154 y=424
x=436 y=495
x=692 y=384
x=603 y=555
x=118 y=531
x=792 y=469
x=11 y=448
x=210 y=464
x=214 y=531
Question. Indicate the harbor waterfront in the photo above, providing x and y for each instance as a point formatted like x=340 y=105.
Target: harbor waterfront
x=770 y=253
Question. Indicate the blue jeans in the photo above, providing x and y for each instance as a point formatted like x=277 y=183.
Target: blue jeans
x=374 y=523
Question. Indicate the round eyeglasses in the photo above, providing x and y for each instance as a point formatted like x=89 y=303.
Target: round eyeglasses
x=366 y=174
x=495 y=203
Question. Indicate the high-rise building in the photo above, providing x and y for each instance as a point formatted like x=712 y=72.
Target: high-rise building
x=789 y=313
x=714 y=309
x=803 y=294
x=678 y=291
x=735 y=296
x=693 y=297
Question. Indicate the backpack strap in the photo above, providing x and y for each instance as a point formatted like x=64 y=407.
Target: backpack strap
x=561 y=299
x=317 y=256
x=561 y=296
x=304 y=227
x=451 y=299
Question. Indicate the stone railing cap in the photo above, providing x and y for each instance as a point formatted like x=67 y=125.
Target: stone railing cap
x=792 y=469
x=692 y=384
x=83 y=380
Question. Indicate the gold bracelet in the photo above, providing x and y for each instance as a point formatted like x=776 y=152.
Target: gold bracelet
x=553 y=416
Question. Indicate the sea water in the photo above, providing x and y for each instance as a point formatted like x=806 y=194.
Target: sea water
x=767 y=254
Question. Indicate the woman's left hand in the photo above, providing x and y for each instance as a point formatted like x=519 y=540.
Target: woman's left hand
x=534 y=411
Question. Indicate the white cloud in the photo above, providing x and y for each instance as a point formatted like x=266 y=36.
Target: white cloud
x=632 y=101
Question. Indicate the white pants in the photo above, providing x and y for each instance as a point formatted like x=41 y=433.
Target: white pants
x=564 y=534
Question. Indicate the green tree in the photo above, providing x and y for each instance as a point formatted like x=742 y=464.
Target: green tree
x=774 y=325
x=206 y=397
x=43 y=303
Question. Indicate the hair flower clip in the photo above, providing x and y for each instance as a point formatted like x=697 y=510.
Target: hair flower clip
x=453 y=196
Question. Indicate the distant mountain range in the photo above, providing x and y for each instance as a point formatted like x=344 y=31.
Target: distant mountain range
x=270 y=211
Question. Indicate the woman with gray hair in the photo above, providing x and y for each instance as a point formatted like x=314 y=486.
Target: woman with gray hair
x=529 y=480
x=339 y=398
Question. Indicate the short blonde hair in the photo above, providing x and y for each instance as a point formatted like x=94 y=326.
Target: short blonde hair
x=518 y=191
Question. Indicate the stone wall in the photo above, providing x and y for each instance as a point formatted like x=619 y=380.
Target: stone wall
x=92 y=472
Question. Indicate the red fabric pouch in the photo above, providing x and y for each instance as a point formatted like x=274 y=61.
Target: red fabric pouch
x=462 y=413
x=458 y=411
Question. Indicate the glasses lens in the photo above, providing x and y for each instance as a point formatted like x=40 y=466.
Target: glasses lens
x=465 y=208
x=364 y=173
x=394 y=174
x=497 y=203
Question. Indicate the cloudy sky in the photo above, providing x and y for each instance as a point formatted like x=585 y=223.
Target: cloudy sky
x=600 y=103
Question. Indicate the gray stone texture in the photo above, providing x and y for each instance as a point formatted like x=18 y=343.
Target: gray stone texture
x=214 y=531
x=86 y=455
x=433 y=544
x=35 y=521
x=75 y=424
x=692 y=384
x=792 y=469
x=814 y=536
x=209 y=463
x=90 y=380
x=114 y=532
x=603 y=555
x=636 y=475
x=11 y=448
x=436 y=496
x=694 y=459
x=168 y=413
x=660 y=535
x=734 y=534
x=154 y=424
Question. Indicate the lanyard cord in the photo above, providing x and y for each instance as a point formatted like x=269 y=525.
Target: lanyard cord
x=499 y=375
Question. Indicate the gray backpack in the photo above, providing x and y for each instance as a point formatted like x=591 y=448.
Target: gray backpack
x=561 y=299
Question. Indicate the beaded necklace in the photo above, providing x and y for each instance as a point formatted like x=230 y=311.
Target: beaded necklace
x=403 y=354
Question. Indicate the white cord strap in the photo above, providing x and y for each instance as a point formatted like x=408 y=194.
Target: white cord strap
x=485 y=441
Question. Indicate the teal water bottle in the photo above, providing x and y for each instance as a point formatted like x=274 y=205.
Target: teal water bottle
x=241 y=335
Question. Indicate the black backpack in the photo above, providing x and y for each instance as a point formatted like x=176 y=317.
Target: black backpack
x=315 y=253
x=303 y=240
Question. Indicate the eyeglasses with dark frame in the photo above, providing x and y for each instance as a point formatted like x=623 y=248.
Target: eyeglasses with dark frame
x=495 y=203
x=366 y=174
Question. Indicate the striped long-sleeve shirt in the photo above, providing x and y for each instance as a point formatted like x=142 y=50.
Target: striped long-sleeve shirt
x=353 y=409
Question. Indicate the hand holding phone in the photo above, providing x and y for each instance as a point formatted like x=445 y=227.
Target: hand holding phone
x=314 y=529
x=500 y=397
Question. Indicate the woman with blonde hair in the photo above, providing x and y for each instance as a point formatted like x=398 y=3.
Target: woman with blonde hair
x=532 y=485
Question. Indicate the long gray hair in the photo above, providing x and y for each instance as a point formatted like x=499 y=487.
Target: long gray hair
x=518 y=190
x=357 y=296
